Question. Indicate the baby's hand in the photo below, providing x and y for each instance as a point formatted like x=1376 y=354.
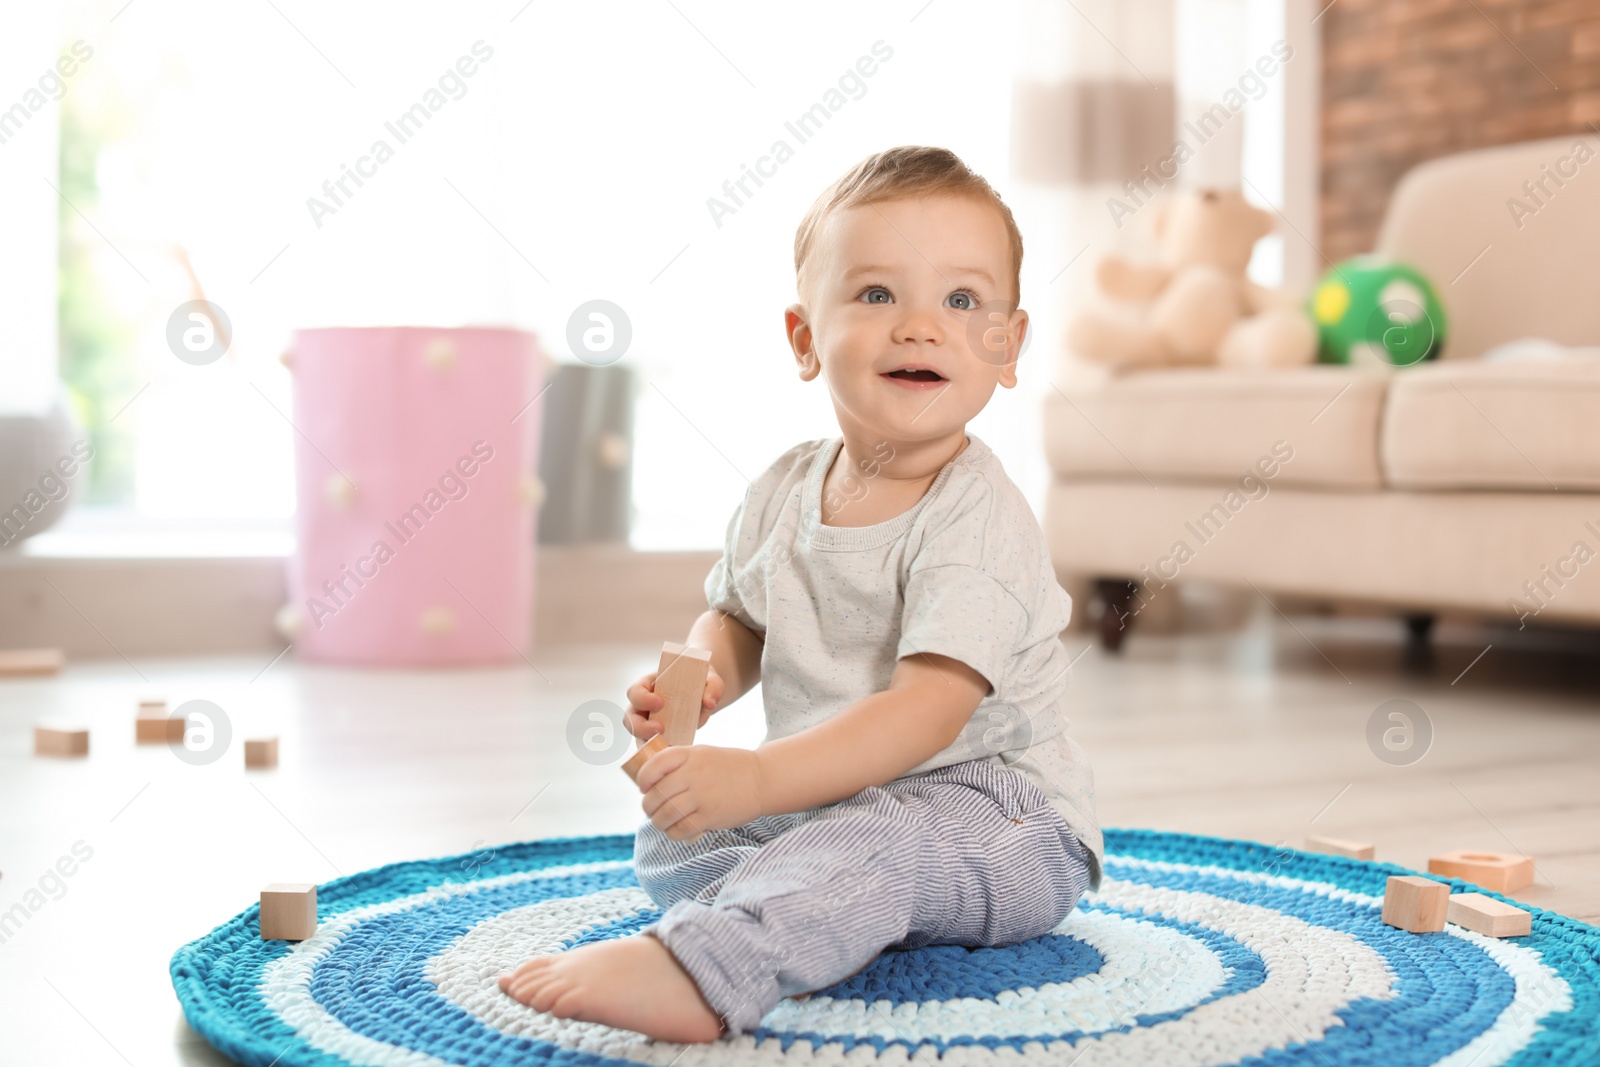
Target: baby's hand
x=644 y=703
x=690 y=789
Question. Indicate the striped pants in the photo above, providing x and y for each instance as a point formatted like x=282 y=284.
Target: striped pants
x=969 y=854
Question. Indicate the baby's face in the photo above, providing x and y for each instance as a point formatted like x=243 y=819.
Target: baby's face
x=906 y=314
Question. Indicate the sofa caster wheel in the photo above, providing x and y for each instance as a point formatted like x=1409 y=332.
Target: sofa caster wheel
x=1115 y=594
x=1419 y=628
x=1418 y=655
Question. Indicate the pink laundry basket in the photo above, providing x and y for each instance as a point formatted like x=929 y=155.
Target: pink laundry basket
x=415 y=455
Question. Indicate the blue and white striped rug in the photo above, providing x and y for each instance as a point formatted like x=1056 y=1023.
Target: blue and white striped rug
x=1194 y=951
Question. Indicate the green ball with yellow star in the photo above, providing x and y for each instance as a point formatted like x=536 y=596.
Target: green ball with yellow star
x=1374 y=313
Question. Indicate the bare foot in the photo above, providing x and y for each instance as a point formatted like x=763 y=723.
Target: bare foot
x=632 y=982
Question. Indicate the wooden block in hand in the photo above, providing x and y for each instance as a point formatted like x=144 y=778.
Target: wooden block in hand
x=261 y=752
x=153 y=726
x=681 y=682
x=1488 y=916
x=1335 y=846
x=288 y=911
x=641 y=757
x=53 y=741
x=1499 y=871
x=22 y=662
x=1415 y=904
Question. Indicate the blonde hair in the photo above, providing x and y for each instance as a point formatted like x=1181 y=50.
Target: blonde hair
x=899 y=173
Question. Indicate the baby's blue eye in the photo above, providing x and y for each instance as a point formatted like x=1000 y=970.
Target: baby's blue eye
x=876 y=289
x=962 y=294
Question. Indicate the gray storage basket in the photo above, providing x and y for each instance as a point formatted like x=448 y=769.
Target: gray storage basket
x=586 y=455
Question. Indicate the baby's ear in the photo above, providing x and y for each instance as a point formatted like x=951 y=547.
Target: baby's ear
x=1008 y=373
x=802 y=342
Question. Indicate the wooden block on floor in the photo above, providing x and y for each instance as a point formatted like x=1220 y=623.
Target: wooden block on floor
x=24 y=662
x=641 y=757
x=1415 y=904
x=153 y=727
x=681 y=682
x=261 y=752
x=1337 y=846
x=1488 y=916
x=1502 y=872
x=55 y=741
x=288 y=911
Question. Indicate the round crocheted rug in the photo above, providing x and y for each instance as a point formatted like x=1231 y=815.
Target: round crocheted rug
x=1194 y=951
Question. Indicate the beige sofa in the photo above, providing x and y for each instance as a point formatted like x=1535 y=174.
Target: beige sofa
x=1462 y=485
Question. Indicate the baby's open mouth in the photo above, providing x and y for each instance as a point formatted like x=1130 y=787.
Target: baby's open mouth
x=916 y=375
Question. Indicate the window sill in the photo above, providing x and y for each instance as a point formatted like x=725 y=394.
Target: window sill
x=101 y=593
x=101 y=534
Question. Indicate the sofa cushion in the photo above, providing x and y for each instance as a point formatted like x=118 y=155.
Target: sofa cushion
x=1527 y=424
x=1510 y=238
x=1213 y=424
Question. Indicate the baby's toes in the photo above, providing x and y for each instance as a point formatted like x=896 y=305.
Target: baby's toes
x=544 y=996
x=525 y=981
x=524 y=992
x=564 y=1000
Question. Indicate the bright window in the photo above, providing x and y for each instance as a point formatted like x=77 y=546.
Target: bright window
x=575 y=163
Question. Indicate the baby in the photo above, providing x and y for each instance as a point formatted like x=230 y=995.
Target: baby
x=891 y=590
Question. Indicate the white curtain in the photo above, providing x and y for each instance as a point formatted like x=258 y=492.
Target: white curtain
x=1105 y=94
x=1093 y=103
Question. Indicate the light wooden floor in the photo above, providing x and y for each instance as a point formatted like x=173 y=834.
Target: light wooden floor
x=1253 y=734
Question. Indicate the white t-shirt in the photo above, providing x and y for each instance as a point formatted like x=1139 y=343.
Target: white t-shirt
x=963 y=573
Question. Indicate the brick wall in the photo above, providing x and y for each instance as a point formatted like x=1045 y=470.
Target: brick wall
x=1405 y=81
